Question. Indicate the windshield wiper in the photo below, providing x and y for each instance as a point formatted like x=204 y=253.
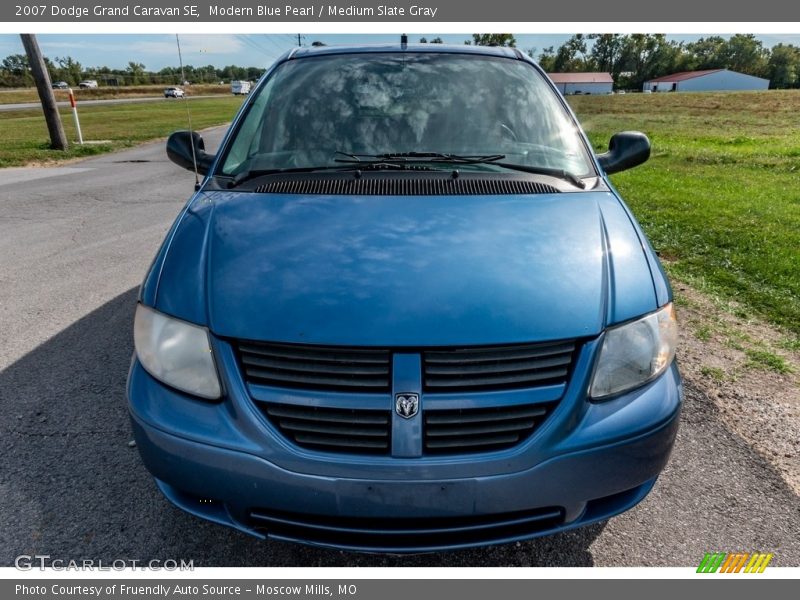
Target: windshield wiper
x=407 y=161
x=355 y=166
x=552 y=172
x=442 y=157
x=434 y=157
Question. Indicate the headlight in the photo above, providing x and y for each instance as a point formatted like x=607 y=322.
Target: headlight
x=175 y=352
x=634 y=353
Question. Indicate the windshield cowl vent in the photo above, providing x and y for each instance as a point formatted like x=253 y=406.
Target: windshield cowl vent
x=396 y=186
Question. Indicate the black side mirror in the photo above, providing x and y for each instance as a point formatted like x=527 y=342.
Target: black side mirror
x=179 y=150
x=625 y=151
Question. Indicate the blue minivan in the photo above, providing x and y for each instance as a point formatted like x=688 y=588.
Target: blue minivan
x=405 y=311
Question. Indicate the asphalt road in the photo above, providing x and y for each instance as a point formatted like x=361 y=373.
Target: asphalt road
x=74 y=244
x=65 y=104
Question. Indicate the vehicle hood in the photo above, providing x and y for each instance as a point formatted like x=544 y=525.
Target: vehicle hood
x=406 y=270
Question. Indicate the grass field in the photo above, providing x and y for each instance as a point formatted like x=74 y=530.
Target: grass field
x=24 y=139
x=20 y=95
x=720 y=197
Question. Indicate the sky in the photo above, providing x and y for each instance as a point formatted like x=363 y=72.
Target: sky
x=251 y=50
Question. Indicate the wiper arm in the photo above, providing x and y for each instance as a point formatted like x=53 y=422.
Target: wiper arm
x=558 y=173
x=353 y=165
x=408 y=161
x=435 y=157
x=422 y=157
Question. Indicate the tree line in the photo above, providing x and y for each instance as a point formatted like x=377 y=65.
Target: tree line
x=631 y=60
x=636 y=58
x=15 y=72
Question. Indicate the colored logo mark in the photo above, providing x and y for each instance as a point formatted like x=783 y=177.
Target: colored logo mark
x=736 y=562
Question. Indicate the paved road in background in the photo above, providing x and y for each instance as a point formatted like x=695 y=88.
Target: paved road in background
x=75 y=242
x=65 y=104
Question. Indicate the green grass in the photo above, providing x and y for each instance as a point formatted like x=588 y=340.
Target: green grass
x=703 y=333
x=790 y=344
x=25 y=140
x=762 y=359
x=720 y=197
x=714 y=373
x=19 y=95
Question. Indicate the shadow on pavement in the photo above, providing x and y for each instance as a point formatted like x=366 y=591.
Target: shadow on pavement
x=71 y=486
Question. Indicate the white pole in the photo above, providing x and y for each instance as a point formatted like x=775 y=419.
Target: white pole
x=74 y=106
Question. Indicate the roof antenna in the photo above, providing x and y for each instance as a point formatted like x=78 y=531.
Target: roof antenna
x=188 y=115
x=403 y=41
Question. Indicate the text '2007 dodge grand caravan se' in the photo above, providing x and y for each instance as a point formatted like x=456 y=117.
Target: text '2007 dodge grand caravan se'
x=405 y=311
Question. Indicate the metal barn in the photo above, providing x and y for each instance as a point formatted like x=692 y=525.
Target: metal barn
x=583 y=83
x=714 y=80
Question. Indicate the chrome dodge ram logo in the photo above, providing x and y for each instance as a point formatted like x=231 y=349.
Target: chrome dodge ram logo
x=406 y=405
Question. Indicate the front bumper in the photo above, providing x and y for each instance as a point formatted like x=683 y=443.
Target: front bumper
x=224 y=463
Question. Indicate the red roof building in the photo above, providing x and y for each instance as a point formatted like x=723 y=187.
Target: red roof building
x=684 y=75
x=711 y=80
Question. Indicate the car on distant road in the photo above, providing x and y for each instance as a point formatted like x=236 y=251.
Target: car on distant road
x=174 y=92
x=87 y=84
x=60 y=85
x=405 y=311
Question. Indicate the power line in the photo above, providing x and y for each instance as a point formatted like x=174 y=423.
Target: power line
x=275 y=43
x=254 y=45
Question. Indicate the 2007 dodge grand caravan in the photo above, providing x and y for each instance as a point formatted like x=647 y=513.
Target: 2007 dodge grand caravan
x=405 y=311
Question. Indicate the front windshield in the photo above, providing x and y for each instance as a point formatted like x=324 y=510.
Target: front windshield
x=314 y=110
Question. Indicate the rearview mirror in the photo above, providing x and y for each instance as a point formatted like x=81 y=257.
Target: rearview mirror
x=179 y=150
x=625 y=151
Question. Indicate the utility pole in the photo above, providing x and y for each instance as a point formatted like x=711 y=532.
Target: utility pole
x=58 y=139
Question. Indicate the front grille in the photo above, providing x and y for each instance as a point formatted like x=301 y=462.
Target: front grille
x=465 y=431
x=318 y=421
x=405 y=534
x=404 y=186
x=500 y=367
x=333 y=429
x=316 y=367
